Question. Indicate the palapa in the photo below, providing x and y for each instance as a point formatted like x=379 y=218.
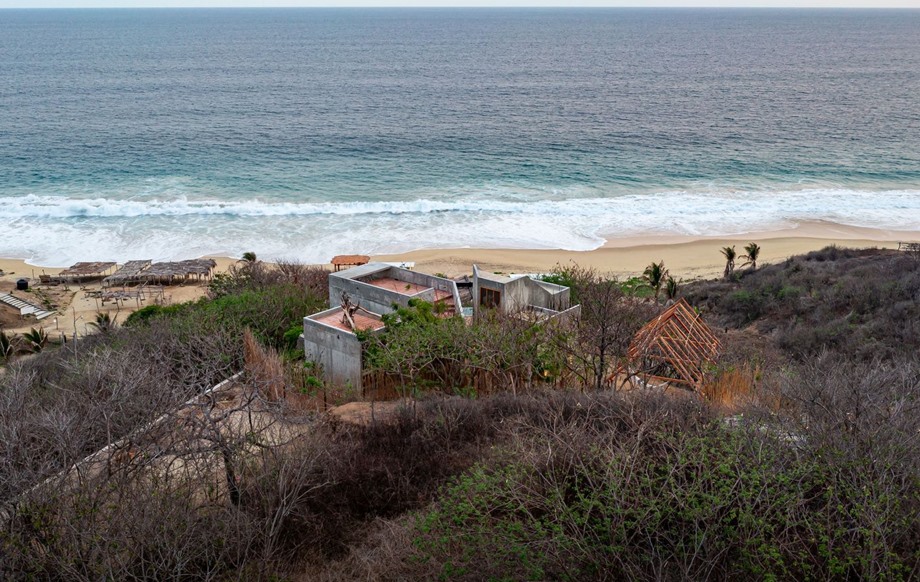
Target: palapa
x=143 y=271
x=340 y=261
x=677 y=346
x=128 y=273
x=181 y=270
x=83 y=272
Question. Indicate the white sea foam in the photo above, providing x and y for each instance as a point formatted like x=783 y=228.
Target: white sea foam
x=57 y=230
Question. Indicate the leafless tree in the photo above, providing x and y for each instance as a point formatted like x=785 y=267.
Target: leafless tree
x=600 y=337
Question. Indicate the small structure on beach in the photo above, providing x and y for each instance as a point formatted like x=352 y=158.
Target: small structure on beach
x=83 y=272
x=343 y=261
x=24 y=307
x=677 y=347
x=167 y=273
x=128 y=273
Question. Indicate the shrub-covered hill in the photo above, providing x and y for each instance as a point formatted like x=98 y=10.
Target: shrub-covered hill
x=819 y=478
x=861 y=304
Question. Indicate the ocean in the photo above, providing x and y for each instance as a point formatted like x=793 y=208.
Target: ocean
x=305 y=133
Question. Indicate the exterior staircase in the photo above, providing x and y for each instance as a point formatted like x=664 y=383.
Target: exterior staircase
x=24 y=307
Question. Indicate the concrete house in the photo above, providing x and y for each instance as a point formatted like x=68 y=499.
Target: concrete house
x=378 y=289
x=521 y=294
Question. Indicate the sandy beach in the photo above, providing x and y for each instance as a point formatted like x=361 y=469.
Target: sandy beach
x=686 y=258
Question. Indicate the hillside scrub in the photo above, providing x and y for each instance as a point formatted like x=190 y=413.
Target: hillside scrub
x=862 y=303
x=62 y=404
x=815 y=476
x=541 y=485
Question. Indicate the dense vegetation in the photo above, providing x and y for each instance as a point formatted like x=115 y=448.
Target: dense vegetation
x=60 y=405
x=813 y=474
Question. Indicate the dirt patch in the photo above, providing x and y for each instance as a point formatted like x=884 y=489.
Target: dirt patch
x=364 y=413
x=9 y=317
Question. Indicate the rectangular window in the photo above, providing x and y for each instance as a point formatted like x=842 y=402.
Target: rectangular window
x=490 y=298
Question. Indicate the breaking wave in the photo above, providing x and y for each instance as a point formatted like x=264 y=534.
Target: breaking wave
x=64 y=229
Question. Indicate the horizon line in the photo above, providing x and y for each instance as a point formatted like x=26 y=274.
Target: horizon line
x=796 y=6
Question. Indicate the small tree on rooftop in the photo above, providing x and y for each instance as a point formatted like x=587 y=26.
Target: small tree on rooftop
x=730 y=254
x=753 y=251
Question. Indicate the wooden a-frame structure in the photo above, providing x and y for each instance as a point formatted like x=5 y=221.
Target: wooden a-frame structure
x=675 y=347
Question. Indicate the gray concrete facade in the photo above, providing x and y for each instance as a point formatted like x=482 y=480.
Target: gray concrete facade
x=337 y=351
x=515 y=294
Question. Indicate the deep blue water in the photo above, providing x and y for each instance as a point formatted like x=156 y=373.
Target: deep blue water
x=303 y=133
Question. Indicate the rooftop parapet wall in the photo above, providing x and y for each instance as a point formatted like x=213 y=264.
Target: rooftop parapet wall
x=358 y=282
x=521 y=292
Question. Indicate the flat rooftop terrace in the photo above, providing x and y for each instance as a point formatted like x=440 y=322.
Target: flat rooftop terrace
x=362 y=320
x=395 y=285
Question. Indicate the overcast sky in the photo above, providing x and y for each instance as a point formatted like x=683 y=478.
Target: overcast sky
x=382 y=3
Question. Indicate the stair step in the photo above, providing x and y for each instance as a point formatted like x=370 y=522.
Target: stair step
x=24 y=307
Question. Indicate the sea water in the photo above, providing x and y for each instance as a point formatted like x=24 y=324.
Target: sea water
x=305 y=133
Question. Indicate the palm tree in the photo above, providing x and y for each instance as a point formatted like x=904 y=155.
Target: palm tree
x=654 y=276
x=672 y=287
x=249 y=257
x=729 y=254
x=753 y=251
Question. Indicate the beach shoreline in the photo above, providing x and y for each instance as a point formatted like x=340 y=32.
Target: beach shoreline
x=687 y=258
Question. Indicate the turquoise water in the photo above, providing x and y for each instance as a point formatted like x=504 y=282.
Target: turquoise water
x=302 y=134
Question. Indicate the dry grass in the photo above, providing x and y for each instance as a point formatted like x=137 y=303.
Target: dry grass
x=263 y=367
x=732 y=389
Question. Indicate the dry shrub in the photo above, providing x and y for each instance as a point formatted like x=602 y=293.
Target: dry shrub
x=264 y=368
x=731 y=389
x=256 y=275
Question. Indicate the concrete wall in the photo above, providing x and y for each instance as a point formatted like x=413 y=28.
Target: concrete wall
x=520 y=292
x=338 y=352
x=548 y=295
x=368 y=296
x=381 y=300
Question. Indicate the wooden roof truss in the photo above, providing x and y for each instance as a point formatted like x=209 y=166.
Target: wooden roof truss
x=678 y=341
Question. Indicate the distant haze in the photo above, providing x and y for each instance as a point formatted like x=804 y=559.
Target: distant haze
x=456 y=3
